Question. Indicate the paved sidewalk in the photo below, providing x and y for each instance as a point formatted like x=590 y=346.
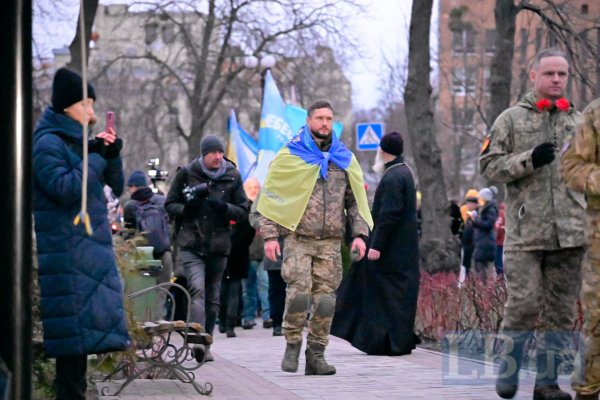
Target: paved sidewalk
x=248 y=367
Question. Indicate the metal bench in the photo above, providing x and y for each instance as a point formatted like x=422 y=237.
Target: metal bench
x=162 y=349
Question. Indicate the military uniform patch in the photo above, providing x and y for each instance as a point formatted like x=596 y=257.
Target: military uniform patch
x=486 y=144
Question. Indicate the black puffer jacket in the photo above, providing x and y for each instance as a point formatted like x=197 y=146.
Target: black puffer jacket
x=206 y=231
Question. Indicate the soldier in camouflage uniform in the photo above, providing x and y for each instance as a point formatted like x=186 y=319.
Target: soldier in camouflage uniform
x=544 y=225
x=312 y=263
x=580 y=168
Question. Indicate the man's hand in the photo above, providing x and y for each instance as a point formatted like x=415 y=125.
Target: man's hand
x=272 y=249
x=358 y=244
x=543 y=154
x=373 y=255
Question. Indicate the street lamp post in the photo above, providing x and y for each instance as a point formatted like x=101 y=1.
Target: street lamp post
x=264 y=64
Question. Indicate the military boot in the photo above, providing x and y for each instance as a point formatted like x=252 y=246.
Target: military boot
x=550 y=392
x=580 y=396
x=546 y=386
x=290 y=358
x=507 y=382
x=315 y=361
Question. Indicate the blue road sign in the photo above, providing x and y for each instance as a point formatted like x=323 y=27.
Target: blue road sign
x=368 y=135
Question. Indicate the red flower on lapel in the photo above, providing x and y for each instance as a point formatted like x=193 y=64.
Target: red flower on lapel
x=563 y=104
x=543 y=105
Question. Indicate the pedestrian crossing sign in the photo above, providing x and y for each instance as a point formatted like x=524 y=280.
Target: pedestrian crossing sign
x=368 y=135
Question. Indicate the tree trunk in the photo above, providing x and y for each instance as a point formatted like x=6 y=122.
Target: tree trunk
x=505 y=13
x=89 y=11
x=439 y=251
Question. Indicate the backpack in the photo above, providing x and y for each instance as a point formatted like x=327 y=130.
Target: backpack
x=152 y=222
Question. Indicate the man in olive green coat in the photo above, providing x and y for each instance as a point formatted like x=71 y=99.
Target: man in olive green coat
x=580 y=168
x=544 y=225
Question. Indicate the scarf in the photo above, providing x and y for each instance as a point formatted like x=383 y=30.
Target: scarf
x=294 y=172
x=213 y=174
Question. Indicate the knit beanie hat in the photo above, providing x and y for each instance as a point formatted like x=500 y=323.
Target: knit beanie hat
x=486 y=194
x=211 y=143
x=392 y=143
x=472 y=196
x=138 y=179
x=67 y=89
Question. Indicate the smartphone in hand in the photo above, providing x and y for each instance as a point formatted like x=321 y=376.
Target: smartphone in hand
x=110 y=121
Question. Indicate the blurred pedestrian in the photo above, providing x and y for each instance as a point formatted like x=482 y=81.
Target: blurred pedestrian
x=500 y=232
x=484 y=235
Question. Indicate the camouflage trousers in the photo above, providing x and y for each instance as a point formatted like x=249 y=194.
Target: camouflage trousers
x=542 y=289
x=586 y=375
x=312 y=269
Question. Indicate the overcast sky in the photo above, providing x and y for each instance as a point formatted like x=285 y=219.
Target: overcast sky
x=383 y=29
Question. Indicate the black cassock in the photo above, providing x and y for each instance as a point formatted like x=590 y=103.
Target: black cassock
x=377 y=300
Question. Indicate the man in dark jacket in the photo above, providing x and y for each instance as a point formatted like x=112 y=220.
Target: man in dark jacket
x=142 y=194
x=81 y=292
x=204 y=197
x=376 y=311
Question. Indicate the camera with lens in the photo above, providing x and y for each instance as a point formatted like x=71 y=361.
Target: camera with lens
x=195 y=192
x=155 y=173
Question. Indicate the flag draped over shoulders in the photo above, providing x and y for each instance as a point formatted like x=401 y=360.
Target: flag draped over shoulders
x=294 y=172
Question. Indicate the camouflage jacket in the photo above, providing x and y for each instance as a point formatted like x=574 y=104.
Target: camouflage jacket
x=324 y=217
x=580 y=165
x=541 y=212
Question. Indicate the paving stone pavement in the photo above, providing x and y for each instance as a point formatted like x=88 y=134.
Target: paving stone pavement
x=248 y=367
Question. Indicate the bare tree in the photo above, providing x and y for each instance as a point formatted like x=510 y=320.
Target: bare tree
x=213 y=39
x=438 y=250
x=89 y=13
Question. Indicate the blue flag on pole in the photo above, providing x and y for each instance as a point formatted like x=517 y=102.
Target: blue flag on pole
x=274 y=131
x=241 y=147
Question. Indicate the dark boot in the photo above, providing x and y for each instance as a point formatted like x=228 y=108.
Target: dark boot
x=546 y=386
x=315 y=361
x=230 y=327
x=507 y=382
x=580 y=396
x=290 y=358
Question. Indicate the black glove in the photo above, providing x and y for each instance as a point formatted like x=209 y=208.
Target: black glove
x=543 y=154
x=114 y=149
x=97 y=146
x=217 y=205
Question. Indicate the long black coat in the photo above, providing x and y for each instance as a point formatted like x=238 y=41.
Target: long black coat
x=377 y=301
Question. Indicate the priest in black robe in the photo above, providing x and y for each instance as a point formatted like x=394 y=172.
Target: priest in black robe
x=377 y=299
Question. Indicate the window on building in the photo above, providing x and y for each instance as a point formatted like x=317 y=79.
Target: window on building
x=150 y=32
x=584 y=9
x=463 y=41
x=490 y=40
x=463 y=82
x=168 y=33
x=463 y=117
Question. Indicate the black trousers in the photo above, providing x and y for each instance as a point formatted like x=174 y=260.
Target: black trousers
x=231 y=294
x=70 y=383
x=276 y=296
